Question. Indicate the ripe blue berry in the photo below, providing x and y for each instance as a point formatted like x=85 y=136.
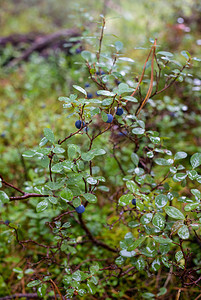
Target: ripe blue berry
x=80 y=209
x=78 y=50
x=78 y=124
x=87 y=85
x=109 y=118
x=134 y=202
x=119 y=111
x=89 y=95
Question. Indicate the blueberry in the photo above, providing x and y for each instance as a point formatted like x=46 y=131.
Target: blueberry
x=80 y=209
x=78 y=50
x=78 y=124
x=109 y=118
x=119 y=111
x=100 y=73
x=3 y=134
x=124 y=133
x=7 y=222
x=89 y=95
x=134 y=202
x=87 y=85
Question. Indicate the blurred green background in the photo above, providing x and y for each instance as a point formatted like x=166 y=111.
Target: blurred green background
x=29 y=90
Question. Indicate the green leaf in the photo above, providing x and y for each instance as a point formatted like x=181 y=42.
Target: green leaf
x=94 y=268
x=90 y=198
x=176 y=226
x=72 y=151
x=4 y=197
x=91 y=287
x=133 y=224
x=29 y=271
x=77 y=202
x=164 y=53
x=66 y=225
x=33 y=283
x=150 y=154
x=17 y=270
x=195 y=160
x=179 y=177
x=119 y=260
x=87 y=156
x=155 y=139
x=130 y=98
x=161 y=201
x=185 y=54
x=92 y=180
x=126 y=253
x=140 y=264
x=125 y=199
x=137 y=242
x=66 y=195
x=132 y=186
x=80 y=89
x=58 y=168
x=196 y=193
x=162 y=239
x=139 y=204
x=192 y=174
x=29 y=153
x=178 y=255
x=138 y=130
x=54 y=185
x=174 y=213
x=41 y=291
x=107 y=102
x=49 y=135
x=87 y=55
x=58 y=149
x=118 y=45
x=79 y=275
x=158 y=221
x=135 y=159
x=94 y=280
x=105 y=93
x=41 y=206
x=165 y=261
x=98 y=152
x=183 y=232
x=43 y=142
x=128 y=59
x=124 y=88
x=191 y=206
x=156 y=264
x=180 y=155
x=163 y=161
x=146 y=218
x=162 y=291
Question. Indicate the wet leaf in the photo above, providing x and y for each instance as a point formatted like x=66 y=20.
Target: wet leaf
x=174 y=213
x=183 y=232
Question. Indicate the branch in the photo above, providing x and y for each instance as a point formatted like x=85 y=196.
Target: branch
x=26 y=196
x=26 y=295
x=44 y=42
x=95 y=241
